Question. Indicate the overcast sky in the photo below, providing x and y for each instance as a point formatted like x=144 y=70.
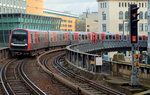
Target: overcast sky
x=73 y=6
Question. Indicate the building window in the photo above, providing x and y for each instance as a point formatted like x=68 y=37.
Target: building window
x=125 y=4
x=103 y=27
x=69 y=25
x=101 y=5
x=103 y=16
x=105 y=5
x=69 y=21
x=122 y=4
x=141 y=28
x=142 y=5
x=126 y=15
x=88 y=25
x=120 y=27
x=146 y=15
x=126 y=26
x=146 y=28
x=120 y=15
x=139 y=4
x=141 y=15
x=119 y=4
x=64 y=21
x=128 y=4
x=88 y=30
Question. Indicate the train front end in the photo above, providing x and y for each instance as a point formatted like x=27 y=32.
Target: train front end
x=19 y=41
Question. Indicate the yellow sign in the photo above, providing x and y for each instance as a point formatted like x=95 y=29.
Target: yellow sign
x=137 y=56
x=92 y=62
x=136 y=65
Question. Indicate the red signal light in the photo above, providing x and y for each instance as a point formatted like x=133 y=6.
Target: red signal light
x=133 y=38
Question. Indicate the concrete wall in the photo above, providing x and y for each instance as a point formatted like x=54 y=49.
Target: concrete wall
x=4 y=54
x=125 y=70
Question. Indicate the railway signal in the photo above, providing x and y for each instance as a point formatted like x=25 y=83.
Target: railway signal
x=134 y=40
x=133 y=23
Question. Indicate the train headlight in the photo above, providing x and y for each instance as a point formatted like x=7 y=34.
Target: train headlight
x=12 y=43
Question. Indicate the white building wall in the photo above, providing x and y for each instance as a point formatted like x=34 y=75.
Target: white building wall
x=112 y=9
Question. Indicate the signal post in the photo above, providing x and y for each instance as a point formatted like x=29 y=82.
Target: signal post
x=134 y=40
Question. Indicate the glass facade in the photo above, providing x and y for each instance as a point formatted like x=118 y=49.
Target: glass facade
x=9 y=6
x=13 y=6
x=27 y=21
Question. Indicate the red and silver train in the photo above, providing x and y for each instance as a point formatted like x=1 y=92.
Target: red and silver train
x=25 y=41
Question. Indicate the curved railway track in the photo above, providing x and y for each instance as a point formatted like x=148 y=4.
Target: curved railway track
x=65 y=89
x=14 y=80
x=75 y=82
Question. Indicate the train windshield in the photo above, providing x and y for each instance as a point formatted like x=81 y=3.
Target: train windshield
x=19 y=37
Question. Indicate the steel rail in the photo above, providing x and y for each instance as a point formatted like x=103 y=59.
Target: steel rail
x=60 y=78
x=92 y=83
x=6 y=87
x=24 y=77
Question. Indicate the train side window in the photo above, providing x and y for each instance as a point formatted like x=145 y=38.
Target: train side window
x=59 y=37
x=83 y=37
x=73 y=37
x=64 y=36
x=125 y=37
x=80 y=37
x=140 y=38
x=120 y=37
x=31 y=38
x=113 y=37
x=110 y=37
x=98 y=37
x=106 y=37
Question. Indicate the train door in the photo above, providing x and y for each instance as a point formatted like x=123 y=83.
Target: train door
x=54 y=37
x=76 y=37
x=117 y=37
x=65 y=36
x=36 y=38
x=143 y=37
x=102 y=36
x=94 y=37
x=89 y=36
